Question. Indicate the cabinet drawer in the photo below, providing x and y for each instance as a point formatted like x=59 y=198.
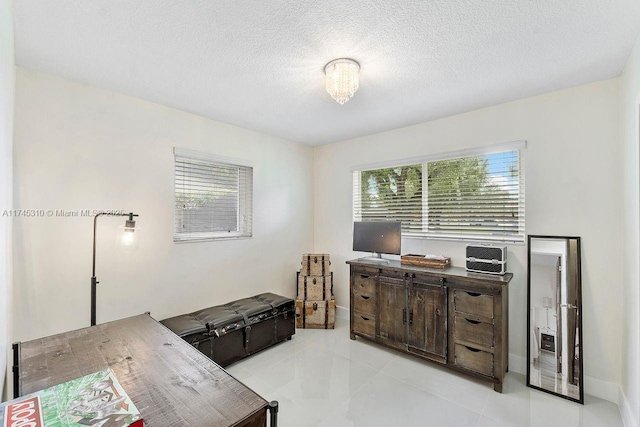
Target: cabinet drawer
x=473 y=331
x=474 y=359
x=547 y=337
x=364 y=323
x=473 y=303
x=394 y=274
x=548 y=346
x=428 y=279
x=364 y=302
x=364 y=282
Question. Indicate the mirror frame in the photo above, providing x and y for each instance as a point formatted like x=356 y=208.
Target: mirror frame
x=579 y=323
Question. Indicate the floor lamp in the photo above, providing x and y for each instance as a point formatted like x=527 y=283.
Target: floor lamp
x=128 y=236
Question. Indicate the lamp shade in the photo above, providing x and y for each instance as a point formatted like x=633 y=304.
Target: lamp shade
x=129 y=236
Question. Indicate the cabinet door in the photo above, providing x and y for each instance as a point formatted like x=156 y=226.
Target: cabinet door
x=428 y=318
x=392 y=314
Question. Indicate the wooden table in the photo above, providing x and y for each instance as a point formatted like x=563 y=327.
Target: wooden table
x=170 y=382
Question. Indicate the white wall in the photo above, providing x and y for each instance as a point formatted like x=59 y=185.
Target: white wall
x=630 y=100
x=572 y=177
x=7 y=87
x=79 y=147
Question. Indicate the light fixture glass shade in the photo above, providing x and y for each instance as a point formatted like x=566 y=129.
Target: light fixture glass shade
x=342 y=79
x=129 y=236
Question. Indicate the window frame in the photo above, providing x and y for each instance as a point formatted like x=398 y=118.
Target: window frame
x=513 y=239
x=245 y=202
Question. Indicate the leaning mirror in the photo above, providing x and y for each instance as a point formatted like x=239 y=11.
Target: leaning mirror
x=554 y=321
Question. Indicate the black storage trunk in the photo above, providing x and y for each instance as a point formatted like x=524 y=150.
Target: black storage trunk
x=226 y=332
x=260 y=327
x=189 y=328
x=230 y=332
x=284 y=312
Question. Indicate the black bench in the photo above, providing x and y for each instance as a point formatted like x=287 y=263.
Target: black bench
x=227 y=333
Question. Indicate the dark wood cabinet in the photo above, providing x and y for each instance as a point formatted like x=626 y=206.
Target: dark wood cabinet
x=392 y=311
x=428 y=320
x=411 y=312
x=452 y=317
x=364 y=302
x=479 y=332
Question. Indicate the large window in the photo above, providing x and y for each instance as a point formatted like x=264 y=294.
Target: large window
x=213 y=197
x=477 y=197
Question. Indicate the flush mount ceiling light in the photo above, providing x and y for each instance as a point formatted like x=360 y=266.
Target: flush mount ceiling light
x=342 y=79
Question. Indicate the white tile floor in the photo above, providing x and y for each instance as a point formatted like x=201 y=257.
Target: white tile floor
x=322 y=378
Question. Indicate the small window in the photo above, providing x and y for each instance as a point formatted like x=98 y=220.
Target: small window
x=473 y=197
x=213 y=197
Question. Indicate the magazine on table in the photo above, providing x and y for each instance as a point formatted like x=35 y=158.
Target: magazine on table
x=96 y=400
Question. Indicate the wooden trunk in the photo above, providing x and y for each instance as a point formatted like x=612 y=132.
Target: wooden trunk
x=315 y=265
x=317 y=288
x=316 y=314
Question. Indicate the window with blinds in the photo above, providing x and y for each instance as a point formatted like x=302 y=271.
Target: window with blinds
x=472 y=198
x=213 y=198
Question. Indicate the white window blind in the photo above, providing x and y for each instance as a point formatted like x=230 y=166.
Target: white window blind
x=473 y=198
x=213 y=198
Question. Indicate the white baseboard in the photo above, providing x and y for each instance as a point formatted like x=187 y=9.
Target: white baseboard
x=606 y=390
x=592 y=386
x=342 y=312
x=517 y=364
x=625 y=410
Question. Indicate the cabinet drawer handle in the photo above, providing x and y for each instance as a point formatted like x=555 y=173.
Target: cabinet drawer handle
x=473 y=322
x=314 y=280
x=365 y=276
x=473 y=294
x=365 y=296
x=365 y=318
x=475 y=350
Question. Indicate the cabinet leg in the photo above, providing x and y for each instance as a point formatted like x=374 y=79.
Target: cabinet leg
x=353 y=336
x=497 y=387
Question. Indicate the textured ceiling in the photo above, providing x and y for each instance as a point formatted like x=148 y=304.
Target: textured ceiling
x=259 y=64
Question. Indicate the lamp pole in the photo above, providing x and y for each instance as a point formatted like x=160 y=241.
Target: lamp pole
x=94 y=282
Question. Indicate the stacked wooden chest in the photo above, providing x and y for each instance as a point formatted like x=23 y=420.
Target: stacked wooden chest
x=315 y=305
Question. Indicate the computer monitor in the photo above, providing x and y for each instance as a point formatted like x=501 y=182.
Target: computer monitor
x=378 y=237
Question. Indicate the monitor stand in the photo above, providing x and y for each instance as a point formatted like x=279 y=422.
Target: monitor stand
x=375 y=257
